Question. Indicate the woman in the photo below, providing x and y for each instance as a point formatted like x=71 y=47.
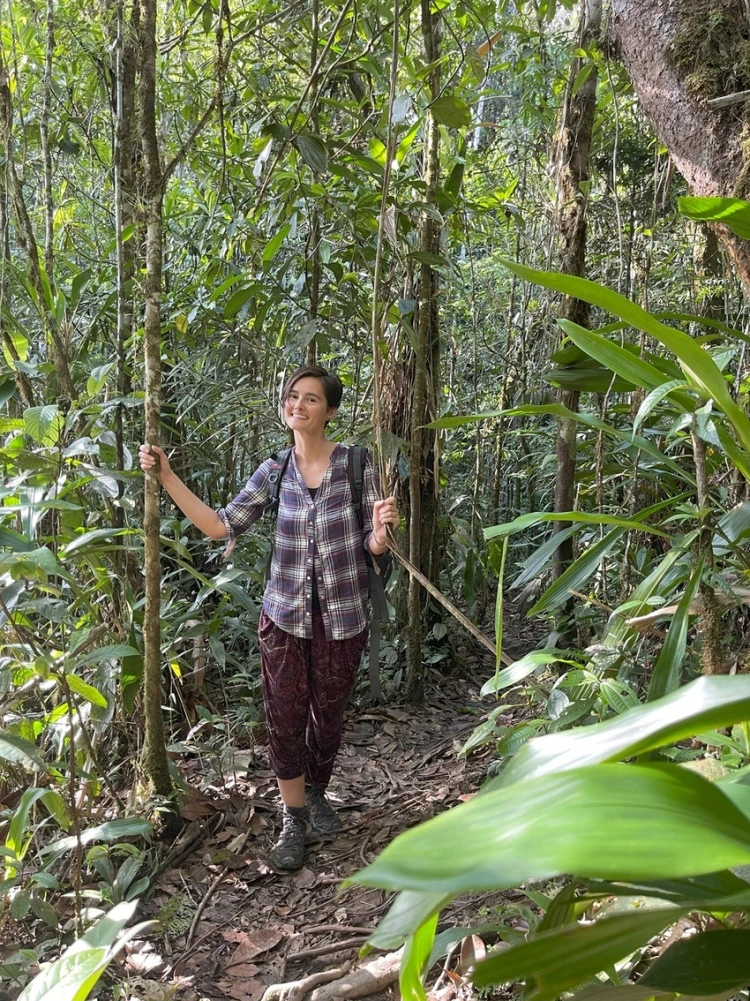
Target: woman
x=313 y=627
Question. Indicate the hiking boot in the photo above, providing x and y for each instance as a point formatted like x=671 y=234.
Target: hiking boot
x=289 y=851
x=322 y=815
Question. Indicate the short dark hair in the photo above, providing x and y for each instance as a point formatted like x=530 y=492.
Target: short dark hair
x=332 y=385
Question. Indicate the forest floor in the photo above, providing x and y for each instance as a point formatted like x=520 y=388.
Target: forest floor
x=229 y=925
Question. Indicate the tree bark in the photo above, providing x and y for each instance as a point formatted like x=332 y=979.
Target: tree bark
x=573 y=170
x=155 y=761
x=422 y=478
x=680 y=54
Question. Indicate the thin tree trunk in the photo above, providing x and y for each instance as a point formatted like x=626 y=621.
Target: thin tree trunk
x=28 y=243
x=312 y=346
x=49 y=208
x=155 y=761
x=573 y=170
x=422 y=479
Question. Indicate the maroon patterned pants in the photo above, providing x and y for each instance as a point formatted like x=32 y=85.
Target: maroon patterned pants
x=305 y=686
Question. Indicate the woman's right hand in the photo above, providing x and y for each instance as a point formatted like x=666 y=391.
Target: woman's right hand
x=150 y=457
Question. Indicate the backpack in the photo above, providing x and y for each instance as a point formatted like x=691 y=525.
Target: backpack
x=377 y=575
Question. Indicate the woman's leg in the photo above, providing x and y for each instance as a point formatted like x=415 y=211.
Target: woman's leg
x=333 y=668
x=286 y=696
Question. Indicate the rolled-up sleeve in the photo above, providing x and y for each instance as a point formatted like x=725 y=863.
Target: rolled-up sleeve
x=249 y=504
x=371 y=493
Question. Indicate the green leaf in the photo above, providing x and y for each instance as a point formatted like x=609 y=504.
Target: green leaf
x=408 y=912
x=580 y=517
x=313 y=152
x=115 y=652
x=700 y=369
x=451 y=111
x=43 y=424
x=131 y=674
x=73 y=976
x=413 y=961
x=272 y=247
x=522 y=668
x=86 y=691
x=654 y=398
x=712 y=962
x=564 y=958
x=732 y=212
x=605 y=821
x=665 y=676
x=574 y=576
x=703 y=704
x=98 y=533
x=7 y=390
x=109 y=831
x=625 y=364
x=18 y=751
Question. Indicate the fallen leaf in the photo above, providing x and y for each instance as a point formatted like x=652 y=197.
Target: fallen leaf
x=242 y=990
x=305 y=879
x=253 y=943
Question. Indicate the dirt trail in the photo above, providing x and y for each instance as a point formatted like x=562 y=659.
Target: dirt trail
x=257 y=927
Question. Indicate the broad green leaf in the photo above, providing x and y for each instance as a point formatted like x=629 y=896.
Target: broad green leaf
x=109 y=831
x=98 y=533
x=73 y=976
x=273 y=245
x=522 y=668
x=703 y=704
x=451 y=111
x=581 y=517
x=499 y=606
x=415 y=955
x=313 y=152
x=43 y=424
x=19 y=835
x=657 y=582
x=589 y=378
x=654 y=398
x=18 y=751
x=535 y=564
x=612 y=356
x=484 y=732
x=7 y=391
x=576 y=575
x=732 y=527
x=10 y=539
x=131 y=674
x=558 y=960
x=709 y=963
x=86 y=691
x=409 y=911
x=732 y=212
x=665 y=676
x=606 y=821
x=115 y=652
x=701 y=370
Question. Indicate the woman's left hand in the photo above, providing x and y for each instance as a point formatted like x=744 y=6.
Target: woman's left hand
x=384 y=513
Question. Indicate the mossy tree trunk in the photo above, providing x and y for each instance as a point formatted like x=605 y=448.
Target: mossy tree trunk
x=680 y=54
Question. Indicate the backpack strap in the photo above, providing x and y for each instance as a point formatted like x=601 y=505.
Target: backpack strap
x=274 y=488
x=356 y=470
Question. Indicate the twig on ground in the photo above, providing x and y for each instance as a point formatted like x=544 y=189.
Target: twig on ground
x=341 y=929
x=194 y=948
x=210 y=891
x=326 y=950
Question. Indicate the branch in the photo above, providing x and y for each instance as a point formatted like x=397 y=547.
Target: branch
x=727 y=100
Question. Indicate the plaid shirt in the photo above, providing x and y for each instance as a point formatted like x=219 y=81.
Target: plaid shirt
x=321 y=535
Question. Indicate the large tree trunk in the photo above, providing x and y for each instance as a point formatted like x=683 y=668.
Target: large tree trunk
x=681 y=54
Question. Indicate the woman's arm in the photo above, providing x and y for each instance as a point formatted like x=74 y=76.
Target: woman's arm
x=202 y=516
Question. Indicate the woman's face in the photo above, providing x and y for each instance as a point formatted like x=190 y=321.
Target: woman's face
x=306 y=408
